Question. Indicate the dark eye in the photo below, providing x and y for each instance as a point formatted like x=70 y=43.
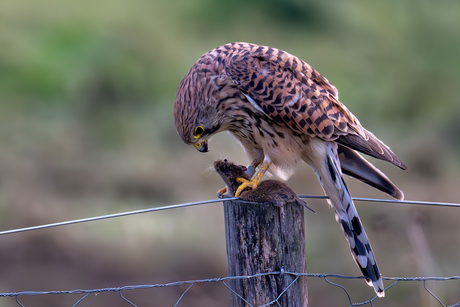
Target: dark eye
x=198 y=132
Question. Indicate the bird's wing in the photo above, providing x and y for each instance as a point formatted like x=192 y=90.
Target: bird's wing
x=354 y=165
x=372 y=146
x=292 y=93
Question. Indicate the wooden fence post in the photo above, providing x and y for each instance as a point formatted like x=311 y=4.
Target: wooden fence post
x=265 y=238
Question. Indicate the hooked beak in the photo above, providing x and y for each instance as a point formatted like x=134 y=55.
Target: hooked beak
x=201 y=146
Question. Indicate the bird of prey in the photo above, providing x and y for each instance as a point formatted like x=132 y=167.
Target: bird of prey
x=282 y=111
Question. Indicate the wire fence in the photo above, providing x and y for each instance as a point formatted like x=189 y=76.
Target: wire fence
x=224 y=280
x=127 y=213
x=275 y=302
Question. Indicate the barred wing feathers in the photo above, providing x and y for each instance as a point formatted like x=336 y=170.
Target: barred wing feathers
x=292 y=93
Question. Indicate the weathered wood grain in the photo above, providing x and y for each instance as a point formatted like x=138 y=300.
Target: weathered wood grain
x=263 y=237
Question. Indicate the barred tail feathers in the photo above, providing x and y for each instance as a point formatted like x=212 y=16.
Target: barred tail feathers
x=326 y=165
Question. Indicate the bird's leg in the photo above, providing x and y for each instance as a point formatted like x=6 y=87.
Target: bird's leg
x=254 y=182
x=251 y=169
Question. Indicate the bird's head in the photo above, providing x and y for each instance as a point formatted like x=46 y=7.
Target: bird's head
x=198 y=114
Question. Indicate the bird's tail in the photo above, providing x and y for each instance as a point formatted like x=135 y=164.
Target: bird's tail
x=326 y=165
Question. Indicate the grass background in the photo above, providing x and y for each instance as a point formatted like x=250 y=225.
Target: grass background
x=86 y=96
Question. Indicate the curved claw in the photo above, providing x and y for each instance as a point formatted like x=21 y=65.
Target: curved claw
x=244 y=185
x=221 y=193
x=254 y=182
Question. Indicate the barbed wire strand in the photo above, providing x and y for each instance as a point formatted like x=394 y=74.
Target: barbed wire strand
x=379 y=200
x=114 y=215
x=180 y=298
x=125 y=299
x=281 y=294
x=432 y=294
x=234 y=292
x=81 y=299
x=339 y=286
x=154 y=209
x=17 y=301
x=223 y=279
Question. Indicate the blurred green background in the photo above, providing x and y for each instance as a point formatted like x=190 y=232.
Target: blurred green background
x=86 y=96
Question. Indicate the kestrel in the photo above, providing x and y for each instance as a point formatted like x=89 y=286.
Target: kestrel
x=283 y=111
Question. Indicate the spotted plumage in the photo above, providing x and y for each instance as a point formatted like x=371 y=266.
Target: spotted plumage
x=283 y=111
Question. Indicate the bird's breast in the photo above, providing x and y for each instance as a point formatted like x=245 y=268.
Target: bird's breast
x=280 y=144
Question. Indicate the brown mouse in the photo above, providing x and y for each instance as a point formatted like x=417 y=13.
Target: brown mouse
x=229 y=172
x=268 y=191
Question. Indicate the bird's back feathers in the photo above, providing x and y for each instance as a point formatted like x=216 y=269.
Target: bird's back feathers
x=293 y=94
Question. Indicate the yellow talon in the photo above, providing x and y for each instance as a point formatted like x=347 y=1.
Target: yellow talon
x=222 y=192
x=241 y=179
x=255 y=180
x=248 y=184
